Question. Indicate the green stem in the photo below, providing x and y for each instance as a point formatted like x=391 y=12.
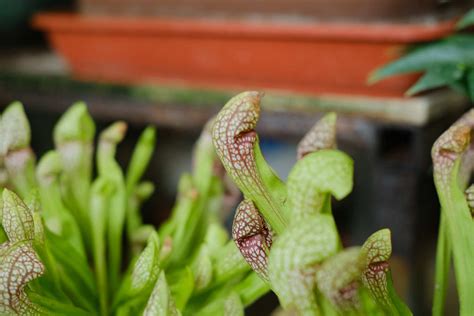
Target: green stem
x=460 y=227
x=443 y=258
x=101 y=193
x=229 y=264
x=55 y=307
x=251 y=289
x=399 y=307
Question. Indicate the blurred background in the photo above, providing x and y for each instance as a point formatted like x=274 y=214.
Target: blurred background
x=173 y=64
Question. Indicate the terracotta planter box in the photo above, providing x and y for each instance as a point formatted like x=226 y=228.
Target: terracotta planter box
x=314 y=58
x=323 y=10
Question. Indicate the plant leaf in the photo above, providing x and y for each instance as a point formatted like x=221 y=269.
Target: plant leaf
x=233 y=306
x=454 y=50
x=15 y=128
x=141 y=157
x=73 y=137
x=377 y=277
x=137 y=286
x=181 y=286
x=147 y=267
x=437 y=77
x=19 y=265
x=252 y=236
x=204 y=159
x=109 y=169
x=19 y=160
x=315 y=175
x=17 y=218
x=228 y=263
x=321 y=136
x=236 y=144
x=447 y=154
x=442 y=267
x=101 y=193
x=57 y=217
x=294 y=258
x=160 y=302
x=338 y=279
x=202 y=269
x=251 y=288
x=466 y=20
x=470 y=82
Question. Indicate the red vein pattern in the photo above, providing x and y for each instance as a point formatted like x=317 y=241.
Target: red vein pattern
x=235 y=138
x=321 y=136
x=253 y=237
x=19 y=265
x=377 y=250
x=449 y=146
x=17 y=218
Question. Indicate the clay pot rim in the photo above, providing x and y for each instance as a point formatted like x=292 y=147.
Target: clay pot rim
x=358 y=32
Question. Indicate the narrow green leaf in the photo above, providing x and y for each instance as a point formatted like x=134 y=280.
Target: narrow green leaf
x=101 y=193
x=51 y=307
x=140 y=237
x=146 y=269
x=204 y=160
x=161 y=302
x=216 y=237
x=141 y=157
x=137 y=286
x=77 y=278
x=228 y=263
x=466 y=21
x=447 y=154
x=233 y=306
x=73 y=137
x=50 y=283
x=470 y=83
x=181 y=286
x=186 y=219
x=202 y=269
x=442 y=267
x=454 y=50
x=251 y=288
x=57 y=217
x=437 y=77
x=110 y=170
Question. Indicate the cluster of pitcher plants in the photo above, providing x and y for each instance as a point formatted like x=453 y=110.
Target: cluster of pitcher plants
x=73 y=241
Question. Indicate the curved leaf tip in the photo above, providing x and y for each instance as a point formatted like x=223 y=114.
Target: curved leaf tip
x=378 y=247
x=19 y=265
x=252 y=236
x=321 y=136
x=236 y=144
